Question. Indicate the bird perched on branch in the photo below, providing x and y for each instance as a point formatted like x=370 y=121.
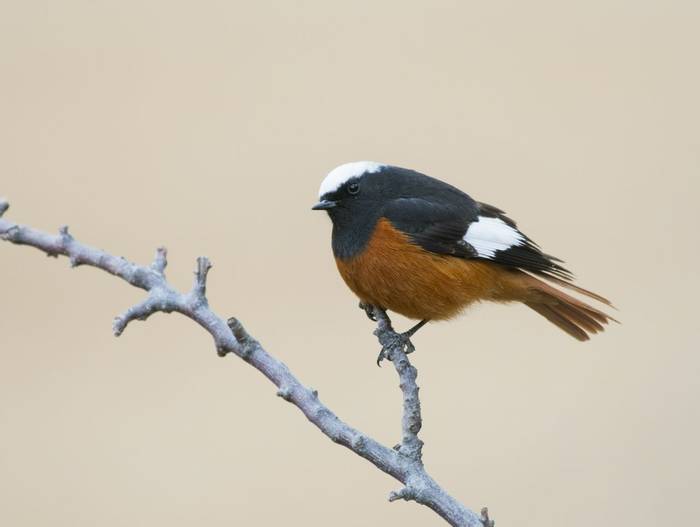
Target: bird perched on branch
x=410 y=243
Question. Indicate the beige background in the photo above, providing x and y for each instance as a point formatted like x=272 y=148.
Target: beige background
x=208 y=127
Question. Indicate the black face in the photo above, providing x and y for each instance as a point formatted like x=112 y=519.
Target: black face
x=354 y=197
x=355 y=207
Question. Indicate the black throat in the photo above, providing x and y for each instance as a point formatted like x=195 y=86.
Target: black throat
x=351 y=232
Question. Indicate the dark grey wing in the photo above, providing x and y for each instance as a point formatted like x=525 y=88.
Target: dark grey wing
x=462 y=227
x=436 y=227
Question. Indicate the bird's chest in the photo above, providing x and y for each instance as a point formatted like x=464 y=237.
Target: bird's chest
x=393 y=273
x=373 y=272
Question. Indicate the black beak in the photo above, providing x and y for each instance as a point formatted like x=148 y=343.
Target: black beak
x=324 y=205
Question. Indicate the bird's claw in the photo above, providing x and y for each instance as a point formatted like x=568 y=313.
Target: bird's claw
x=400 y=339
x=381 y=357
x=369 y=311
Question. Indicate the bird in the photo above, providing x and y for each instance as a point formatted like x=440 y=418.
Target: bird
x=412 y=244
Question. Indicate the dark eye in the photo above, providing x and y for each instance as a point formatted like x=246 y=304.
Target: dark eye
x=353 y=188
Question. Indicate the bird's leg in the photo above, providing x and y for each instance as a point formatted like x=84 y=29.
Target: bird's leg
x=390 y=339
x=369 y=311
x=414 y=329
x=393 y=341
x=404 y=340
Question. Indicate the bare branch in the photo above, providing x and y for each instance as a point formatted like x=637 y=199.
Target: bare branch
x=160 y=262
x=485 y=520
x=199 y=289
x=402 y=494
x=156 y=301
x=412 y=422
x=248 y=343
x=402 y=462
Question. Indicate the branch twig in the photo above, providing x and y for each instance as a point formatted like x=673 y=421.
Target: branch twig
x=403 y=462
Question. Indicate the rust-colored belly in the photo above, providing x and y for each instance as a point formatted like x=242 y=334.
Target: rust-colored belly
x=396 y=274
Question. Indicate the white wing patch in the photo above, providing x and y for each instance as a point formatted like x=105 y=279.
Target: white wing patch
x=339 y=175
x=488 y=235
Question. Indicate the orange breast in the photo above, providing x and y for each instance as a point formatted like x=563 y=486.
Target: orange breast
x=396 y=274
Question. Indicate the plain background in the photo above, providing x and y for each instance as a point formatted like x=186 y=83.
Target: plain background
x=208 y=127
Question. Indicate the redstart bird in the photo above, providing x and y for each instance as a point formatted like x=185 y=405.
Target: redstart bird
x=410 y=243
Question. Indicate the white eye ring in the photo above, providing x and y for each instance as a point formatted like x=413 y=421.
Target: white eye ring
x=353 y=188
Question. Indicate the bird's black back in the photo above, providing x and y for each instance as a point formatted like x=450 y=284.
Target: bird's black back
x=435 y=215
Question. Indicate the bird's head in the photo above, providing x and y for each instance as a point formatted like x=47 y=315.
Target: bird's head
x=351 y=189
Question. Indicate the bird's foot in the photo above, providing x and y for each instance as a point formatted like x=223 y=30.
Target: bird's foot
x=397 y=341
x=369 y=311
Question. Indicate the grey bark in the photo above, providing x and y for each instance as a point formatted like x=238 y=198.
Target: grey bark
x=403 y=462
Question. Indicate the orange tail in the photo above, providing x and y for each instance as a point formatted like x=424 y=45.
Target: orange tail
x=577 y=318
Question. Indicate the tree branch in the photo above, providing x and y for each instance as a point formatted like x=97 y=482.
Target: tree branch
x=412 y=421
x=403 y=462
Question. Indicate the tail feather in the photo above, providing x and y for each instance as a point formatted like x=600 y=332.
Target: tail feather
x=583 y=319
x=574 y=287
x=570 y=314
x=559 y=320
